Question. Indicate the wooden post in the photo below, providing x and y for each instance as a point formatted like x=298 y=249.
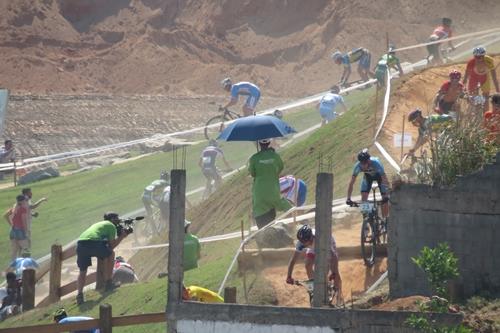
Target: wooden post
x=105 y=318
x=402 y=138
x=55 y=273
x=176 y=250
x=323 y=236
x=230 y=295
x=387 y=41
x=100 y=278
x=15 y=174
x=375 y=112
x=244 y=269
x=28 y=294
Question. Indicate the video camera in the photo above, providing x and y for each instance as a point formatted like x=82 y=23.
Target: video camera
x=125 y=225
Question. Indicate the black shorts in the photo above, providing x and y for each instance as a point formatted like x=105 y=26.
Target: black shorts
x=265 y=218
x=86 y=249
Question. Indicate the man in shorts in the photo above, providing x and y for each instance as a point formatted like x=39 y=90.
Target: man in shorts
x=360 y=55
x=447 y=96
x=328 y=103
x=207 y=163
x=242 y=89
x=373 y=171
x=305 y=244
x=441 y=32
x=98 y=240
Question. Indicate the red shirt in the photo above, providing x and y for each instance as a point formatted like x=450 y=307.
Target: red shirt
x=442 y=32
x=446 y=86
x=17 y=220
x=492 y=122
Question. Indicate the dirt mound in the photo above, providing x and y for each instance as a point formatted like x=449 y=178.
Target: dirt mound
x=152 y=46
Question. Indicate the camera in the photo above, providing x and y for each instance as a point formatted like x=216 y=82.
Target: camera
x=125 y=225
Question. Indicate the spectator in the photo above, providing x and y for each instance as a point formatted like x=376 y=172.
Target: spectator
x=28 y=194
x=7 y=154
x=123 y=272
x=12 y=301
x=492 y=119
x=61 y=317
x=99 y=240
x=191 y=248
x=265 y=167
x=328 y=103
x=199 y=294
x=17 y=217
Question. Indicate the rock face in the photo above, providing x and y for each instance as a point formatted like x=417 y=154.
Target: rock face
x=277 y=236
x=38 y=175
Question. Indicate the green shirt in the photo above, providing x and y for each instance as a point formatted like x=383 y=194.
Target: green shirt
x=191 y=251
x=104 y=230
x=265 y=166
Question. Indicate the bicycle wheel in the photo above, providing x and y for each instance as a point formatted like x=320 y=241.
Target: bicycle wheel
x=213 y=132
x=368 y=242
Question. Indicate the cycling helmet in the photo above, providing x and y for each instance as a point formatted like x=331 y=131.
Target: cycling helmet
x=335 y=89
x=305 y=233
x=414 y=115
x=363 y=155
x=213 y=142
x=479 y=51
x=226 y=83
x=59 y=314
x=120 y=259
x=110 y=216
x=446 y=21
x=455 y=75
x=495 y=99
x=336 y=56
x=278 y=114
x=164 y=175
x=265 y=141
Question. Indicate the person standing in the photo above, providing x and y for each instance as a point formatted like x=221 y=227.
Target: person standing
x=31 y=206
x=17 y=217
x=192 y=248
x=265 y=168
x=99 y=240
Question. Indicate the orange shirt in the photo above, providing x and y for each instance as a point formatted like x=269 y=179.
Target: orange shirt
x=492 y=122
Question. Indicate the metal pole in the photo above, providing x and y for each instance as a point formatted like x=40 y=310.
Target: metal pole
x=323 y=236
x=176 y=249
x=244 y=269
x=402 y=138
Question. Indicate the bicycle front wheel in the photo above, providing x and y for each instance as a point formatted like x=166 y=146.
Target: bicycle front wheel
x=368 y=242
x=214 y=131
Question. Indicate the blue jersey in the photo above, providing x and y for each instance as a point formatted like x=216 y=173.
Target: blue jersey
x=77 y=319
x=374 y=168
x=329 y=102
x=245 y=89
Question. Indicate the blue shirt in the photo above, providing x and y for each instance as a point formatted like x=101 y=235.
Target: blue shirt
x=244 y=88
x=329 y=102
x=374 y=168
x=77 y=319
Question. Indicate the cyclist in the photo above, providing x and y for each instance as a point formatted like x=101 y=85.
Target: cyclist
x=293 y=189
x=207 y=163
x=245 y=89
x=441 y=32
x=305 y=244
x=152 y=194
x=492 y=119
x=385 y=63
x=360 y=55
x=328 y=103
x=479 y=72
x=425 y=125
x=199 y=294
x=448 y=94
x=373 y=170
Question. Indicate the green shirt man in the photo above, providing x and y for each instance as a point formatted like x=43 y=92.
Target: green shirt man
x=265 y=168
x=100 y=231
x=192 y=248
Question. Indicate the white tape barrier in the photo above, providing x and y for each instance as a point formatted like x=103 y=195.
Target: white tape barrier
x=472 y=34
x=386 y=104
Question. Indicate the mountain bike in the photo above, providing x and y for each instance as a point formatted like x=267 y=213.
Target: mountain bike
x=373 y=228
x=215 y=125
x=333 y=296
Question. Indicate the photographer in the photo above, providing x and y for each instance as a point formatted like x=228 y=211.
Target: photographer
x=99 y=240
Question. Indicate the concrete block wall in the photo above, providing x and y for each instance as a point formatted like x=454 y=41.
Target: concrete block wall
x=228 y=318
x=466 y=216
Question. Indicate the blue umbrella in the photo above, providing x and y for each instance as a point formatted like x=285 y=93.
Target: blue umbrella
x=21 y=264
x=254 y=128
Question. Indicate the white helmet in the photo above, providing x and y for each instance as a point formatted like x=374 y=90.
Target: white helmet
x=336 y=55
x=226 y=83
x=265 y=141
x=479 y=51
